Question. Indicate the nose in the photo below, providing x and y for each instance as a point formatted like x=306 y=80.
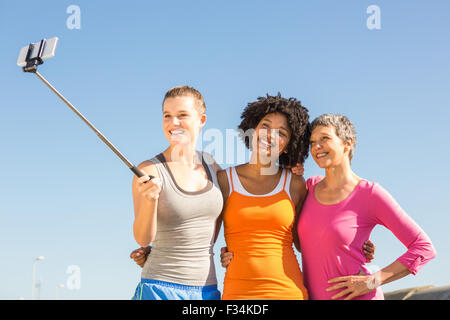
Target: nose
x=275 y=135
x=316 y=145
x=272 y=136
x=175 y=120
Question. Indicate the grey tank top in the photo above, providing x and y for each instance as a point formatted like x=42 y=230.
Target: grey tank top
x=182 y=251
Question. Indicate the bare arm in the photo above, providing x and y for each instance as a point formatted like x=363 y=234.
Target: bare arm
x=392 y=272
x=224 y=188
x=217 y=169
x=145 y=199
x=225 y=255
x=298 y=192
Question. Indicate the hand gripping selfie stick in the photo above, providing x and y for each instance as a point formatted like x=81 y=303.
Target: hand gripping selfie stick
x=31 y=57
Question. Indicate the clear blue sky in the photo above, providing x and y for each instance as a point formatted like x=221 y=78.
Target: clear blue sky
x=66 y=196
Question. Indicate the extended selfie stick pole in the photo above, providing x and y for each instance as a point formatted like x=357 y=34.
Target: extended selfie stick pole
x=32 y=67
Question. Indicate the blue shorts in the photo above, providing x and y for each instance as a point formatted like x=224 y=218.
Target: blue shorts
x=149 y=289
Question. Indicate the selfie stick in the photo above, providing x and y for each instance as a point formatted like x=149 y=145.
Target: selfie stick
x=31 y=66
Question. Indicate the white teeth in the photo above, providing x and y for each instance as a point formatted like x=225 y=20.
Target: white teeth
x=265 y=143
x=320 y=155
x=178 y=131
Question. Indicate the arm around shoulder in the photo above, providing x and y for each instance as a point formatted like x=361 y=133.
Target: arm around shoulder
x=298 y=193
x=223 y=183
x=224 y=189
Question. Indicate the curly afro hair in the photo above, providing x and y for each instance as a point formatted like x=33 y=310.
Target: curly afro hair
x=297 y=118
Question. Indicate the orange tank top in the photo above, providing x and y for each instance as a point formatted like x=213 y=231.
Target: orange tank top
x=258 y=230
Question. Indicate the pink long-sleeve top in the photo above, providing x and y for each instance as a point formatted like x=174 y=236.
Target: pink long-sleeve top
x=332 y=236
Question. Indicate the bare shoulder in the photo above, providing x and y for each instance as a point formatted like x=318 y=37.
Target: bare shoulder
x=222 y=177
x=210 y=160
x=298 y=185
x=298 y=181
x=298 y=190
x=149 y=168
x=223 y=181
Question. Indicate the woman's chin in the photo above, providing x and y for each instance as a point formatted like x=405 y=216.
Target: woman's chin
x=322 y=164
x=179 y=140
x=266 y=157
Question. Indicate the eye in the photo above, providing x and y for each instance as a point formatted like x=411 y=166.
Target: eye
x=167 y=116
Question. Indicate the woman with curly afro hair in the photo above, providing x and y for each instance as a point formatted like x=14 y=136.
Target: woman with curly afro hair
x=297 y=119
x=260 y=198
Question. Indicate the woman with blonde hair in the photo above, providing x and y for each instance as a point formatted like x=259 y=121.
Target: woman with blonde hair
x=178 y=211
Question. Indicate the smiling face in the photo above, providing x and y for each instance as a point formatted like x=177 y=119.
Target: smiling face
x=182 y=120
x=327 y=149
x=272 y=134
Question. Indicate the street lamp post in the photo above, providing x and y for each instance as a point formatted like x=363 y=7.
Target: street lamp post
x=34 y=275
x=58 y=287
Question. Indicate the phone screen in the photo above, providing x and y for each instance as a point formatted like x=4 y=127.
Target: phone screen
x=48 y=51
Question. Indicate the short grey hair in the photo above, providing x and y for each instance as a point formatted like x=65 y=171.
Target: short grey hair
x=344 y=128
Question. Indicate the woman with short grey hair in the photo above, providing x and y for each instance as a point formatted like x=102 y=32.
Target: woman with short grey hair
x=339 y=213
x=345 y=130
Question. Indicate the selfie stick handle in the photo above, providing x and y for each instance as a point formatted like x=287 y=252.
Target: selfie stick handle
x=133 y=168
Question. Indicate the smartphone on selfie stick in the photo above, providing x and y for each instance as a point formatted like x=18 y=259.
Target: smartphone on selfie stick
x=33 y=55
